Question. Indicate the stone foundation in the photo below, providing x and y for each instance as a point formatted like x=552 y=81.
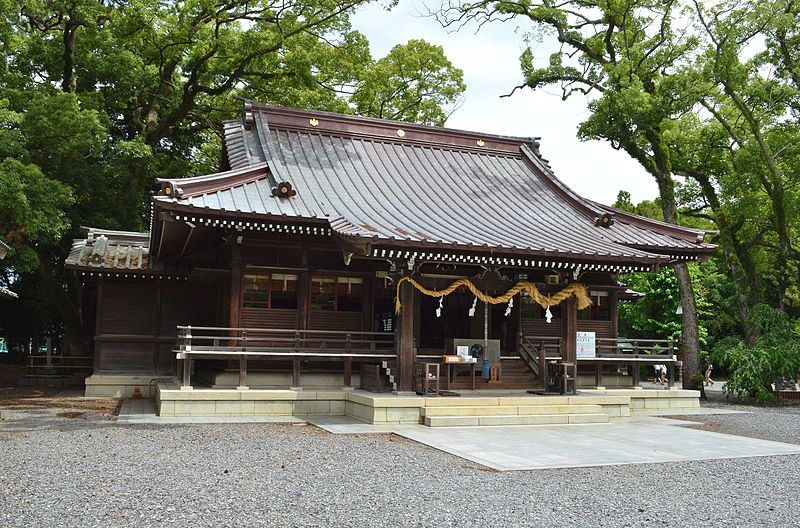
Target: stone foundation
x=256 y=379
x=644 y=400
x=108 y=386
x=408 y=408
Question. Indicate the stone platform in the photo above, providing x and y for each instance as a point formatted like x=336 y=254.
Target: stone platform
x=472 y=408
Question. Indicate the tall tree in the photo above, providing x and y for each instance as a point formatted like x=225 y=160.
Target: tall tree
x=627 y=54
x=414 y=82
x=101 y=98
x=751 y=95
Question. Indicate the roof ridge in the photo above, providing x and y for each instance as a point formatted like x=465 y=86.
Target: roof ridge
x=195 y=185
x=344 y=125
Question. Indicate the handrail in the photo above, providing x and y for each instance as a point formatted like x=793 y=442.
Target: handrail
x=537 y=351
x=297 y=345
x=282 y=330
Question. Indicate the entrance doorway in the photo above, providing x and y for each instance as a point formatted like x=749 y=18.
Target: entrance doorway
x=504 y=328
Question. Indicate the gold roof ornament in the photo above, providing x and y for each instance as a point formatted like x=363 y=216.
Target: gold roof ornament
x=313 y=121
x=401 y=132
x=480 y=143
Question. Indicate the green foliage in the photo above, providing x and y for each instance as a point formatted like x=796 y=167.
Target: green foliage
x=414 y=82
x=653 y=316
x=706 y=97
x=772 y=363
x=98 y=99
x=31 y=211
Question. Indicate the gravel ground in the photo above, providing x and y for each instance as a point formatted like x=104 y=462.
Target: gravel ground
x=88 y=471
x=780 y=424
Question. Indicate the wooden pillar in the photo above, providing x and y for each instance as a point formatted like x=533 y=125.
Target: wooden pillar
x=569 y=340
x=242 y=372
x=98 y=312
x=187 y=373
x=368 y=306
x=417 y=302
x=157 y=329
x=295 y=372
x=348 y=371
x=405 y=338
x=303 y=291
x=613 y=299
x=236 y=286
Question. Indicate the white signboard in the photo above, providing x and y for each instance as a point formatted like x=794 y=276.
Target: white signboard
x=586 y=344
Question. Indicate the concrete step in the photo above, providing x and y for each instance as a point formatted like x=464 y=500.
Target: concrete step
x=506 y=410
x=525 y=419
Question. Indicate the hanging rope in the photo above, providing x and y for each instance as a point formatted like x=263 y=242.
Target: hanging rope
x=579 y=291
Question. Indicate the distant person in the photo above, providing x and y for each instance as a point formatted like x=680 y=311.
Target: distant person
x=708 y=380
x=660 y=374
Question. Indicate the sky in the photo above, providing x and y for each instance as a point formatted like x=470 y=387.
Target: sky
x=490 y=61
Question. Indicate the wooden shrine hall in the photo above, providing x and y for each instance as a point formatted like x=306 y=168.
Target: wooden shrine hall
x=336 y=251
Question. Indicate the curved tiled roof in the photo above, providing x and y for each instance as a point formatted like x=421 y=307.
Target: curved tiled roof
x=111 y=250
x=394 y=183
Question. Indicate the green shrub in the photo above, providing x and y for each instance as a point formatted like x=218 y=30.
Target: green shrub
x=773 y=363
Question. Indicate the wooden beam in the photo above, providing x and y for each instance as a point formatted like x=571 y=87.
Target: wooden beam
x=405 y=337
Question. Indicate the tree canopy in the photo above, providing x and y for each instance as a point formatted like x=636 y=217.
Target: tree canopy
x=97 y=100
x=705 y=97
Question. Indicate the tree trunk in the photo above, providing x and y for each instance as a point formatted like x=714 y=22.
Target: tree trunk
x=690 y=334
x=736 y=256
x=74 y=336
x=68 y=82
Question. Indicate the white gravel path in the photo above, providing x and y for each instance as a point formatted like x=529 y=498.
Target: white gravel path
x=90 y=472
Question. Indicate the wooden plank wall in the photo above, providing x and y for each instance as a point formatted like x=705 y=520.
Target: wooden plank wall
x=344 y=321
x=137 y=319
x=540 y=327
x=263 y=318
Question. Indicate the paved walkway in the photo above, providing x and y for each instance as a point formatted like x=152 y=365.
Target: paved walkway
x=638 y=440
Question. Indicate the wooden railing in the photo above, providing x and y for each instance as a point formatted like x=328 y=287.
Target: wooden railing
x=297 y=345
x=57 y=360
x=540 y=351
x=56 y=365
x=536 y=351
x=634 y=348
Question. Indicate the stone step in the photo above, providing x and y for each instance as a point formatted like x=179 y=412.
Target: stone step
x=506 y=410
x=525 y=419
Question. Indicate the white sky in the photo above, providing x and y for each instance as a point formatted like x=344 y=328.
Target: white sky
x=490 y=60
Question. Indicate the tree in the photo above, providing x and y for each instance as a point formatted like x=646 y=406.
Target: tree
x=626 y=54
x=771 y=364
x=750 y=105
x=414 y=82
x=100 y=99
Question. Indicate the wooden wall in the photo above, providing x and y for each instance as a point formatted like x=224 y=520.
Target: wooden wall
x=135 y=327
x=263 y=318
x=539 y=327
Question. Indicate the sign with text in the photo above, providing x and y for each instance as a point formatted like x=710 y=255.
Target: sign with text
x=586 y=344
